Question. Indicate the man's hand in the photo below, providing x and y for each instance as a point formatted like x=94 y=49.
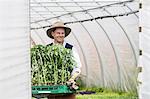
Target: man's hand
x=72 y=84
x=71 y=81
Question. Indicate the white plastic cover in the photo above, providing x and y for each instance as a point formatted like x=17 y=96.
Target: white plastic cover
x=14 y=50
x=144 y=61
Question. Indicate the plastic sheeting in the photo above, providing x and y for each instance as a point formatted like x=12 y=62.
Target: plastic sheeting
x=14 y=50
x=144 y=61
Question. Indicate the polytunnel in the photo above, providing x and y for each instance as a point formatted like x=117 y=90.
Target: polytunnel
x=105 y=34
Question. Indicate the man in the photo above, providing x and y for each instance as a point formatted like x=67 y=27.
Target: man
x=58 y=31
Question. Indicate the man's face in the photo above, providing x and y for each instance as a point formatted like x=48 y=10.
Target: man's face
x=59 y=35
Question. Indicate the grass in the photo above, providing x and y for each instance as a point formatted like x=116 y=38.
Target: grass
x=106 y=96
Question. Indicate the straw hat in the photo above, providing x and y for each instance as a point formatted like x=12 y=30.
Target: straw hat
x=58 y=24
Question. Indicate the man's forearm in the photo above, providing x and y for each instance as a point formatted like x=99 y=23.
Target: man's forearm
x=75 y=75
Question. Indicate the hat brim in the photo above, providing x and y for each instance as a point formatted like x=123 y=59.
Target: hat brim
x=49 y=31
